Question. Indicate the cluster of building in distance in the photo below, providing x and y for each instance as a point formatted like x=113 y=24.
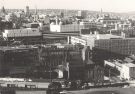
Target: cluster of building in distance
x=73 y=47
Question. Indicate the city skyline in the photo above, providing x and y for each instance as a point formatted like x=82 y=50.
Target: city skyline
x=93 y=5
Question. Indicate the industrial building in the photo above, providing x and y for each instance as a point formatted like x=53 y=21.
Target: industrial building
x=25 y=35
x=87 y=25
x=117 y=64
x=64 y=28
x=50 y=61
x=70 y=62
x=128 y=32
x=54 y=61
x=74 y=27
x=119 y=46
x=113 y=49
x=71 y=57
x=124 y=69
x=26 y=32
x=17 y=61
x=90 y=39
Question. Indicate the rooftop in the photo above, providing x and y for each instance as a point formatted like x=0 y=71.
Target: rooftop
x=130 y=65
x=6 y=48
x=101 y=36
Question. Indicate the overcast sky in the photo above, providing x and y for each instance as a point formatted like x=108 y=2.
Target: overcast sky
x=96 y=5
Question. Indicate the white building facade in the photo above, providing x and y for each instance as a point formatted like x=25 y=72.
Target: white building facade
x=128 y=71
x=64 y=28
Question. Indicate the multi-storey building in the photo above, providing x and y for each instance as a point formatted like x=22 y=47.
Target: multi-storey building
x=128 y=32
x=128 y=71
x=70 y=62
x=27 y=11
x=64 y=28
x=72 y=58
x=90 y=39
x=120 y=46
x=121 y=68
x=113 y=48
x=17 y=61
x=106 y=22
x=87 y=25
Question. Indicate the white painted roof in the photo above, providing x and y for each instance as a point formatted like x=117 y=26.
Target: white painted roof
x=130 y=65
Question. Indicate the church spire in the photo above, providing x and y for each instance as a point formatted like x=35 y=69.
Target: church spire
x=3 y=10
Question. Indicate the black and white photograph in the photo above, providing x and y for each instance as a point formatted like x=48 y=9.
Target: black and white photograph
x=67 y=46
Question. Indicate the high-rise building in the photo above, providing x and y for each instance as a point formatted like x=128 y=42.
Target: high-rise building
x=27 y=11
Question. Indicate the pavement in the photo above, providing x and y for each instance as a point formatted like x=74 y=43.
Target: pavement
x=115 y=90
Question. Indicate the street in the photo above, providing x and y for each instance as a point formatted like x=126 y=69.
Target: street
x=114 y=90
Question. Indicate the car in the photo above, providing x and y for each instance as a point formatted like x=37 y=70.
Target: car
x=63 y=92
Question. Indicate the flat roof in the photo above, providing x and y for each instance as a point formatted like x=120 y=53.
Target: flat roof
x=101 y=36
x=98 y=37
x=14 y=48
x=130 y=65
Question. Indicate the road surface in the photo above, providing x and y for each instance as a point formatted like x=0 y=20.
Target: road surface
x=114 y=90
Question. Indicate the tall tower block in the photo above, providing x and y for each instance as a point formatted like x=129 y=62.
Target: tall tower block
x=27 y=11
